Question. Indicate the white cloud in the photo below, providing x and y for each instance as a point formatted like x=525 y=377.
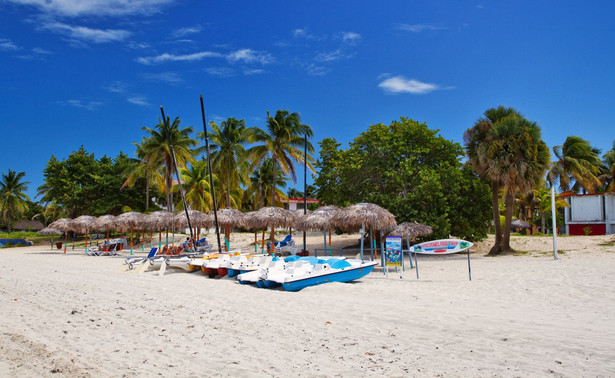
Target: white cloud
x=417 y=28
x=117 y=87
x=249 y=56
x=39 y=51
x=8 y=45
x=224 y=72
x=351 y=37
x=138 y=100
x=166 y=77
x=89 y=105
x=255 y=71
x=316 y=70
x=188 y=30
x=399 y=84
x=78 y=8
x=88 y=34
x=332 y=56
x=179 y=58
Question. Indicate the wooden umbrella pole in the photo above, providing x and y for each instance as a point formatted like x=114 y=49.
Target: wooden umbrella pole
x=330 y=249
x=255 y=241
x=263 y=242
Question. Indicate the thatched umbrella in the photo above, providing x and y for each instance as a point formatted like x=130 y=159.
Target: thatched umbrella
x=197 y=219
x=50 y=231
x=272 y=217
x=83 y=224
x=248 y=222
x=159 y=220
x=228 y=218
x=319 y=219
x=129 y=221
x=103 y=223
x=364 y=215
x=62 y=224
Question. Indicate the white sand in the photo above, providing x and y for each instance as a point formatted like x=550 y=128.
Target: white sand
x=528 y=315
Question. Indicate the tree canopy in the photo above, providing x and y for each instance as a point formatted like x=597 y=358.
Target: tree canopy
x=82 y=184
x=410 y=170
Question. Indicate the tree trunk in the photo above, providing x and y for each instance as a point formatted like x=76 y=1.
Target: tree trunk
x=510 y=206
x=228 y=191
x=169 y=181
x=273 y=184
x=146 y=193
x=543 y=223
x=495 y=197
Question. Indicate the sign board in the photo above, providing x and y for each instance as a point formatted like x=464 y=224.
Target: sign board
x=442 y=247
x=392 y=252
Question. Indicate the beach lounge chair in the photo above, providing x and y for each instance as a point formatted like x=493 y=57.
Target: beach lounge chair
x=288 y=241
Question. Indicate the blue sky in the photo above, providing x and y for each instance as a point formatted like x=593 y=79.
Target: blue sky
x=93 y=72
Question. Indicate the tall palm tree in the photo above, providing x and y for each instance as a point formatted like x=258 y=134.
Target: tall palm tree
x=261 y=187
x=519 y=158
x=576 y=161
x=157 y=152
x=229 y=157
x=196 y=184
x=477 y=137
x=284 y=143
x=143 y=168
x=13 y=200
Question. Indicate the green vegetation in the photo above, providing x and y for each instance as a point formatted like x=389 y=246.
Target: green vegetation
x=82 y=184
x=411 y=171
x=13 y=200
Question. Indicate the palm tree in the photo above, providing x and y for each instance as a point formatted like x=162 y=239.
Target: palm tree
x=13 y=200
x=576 y=161
x=477 y=137
x=261 y=184
x=196 y=184
x=543 y=199
x=608 y=168
x=156 y=150
x=143 y=169
x=526 y=204
x=229 y=157
x=519 y=158
x=284 y=143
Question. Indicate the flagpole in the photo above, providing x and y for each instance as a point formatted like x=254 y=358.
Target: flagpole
x=305 y=188
x=211 y=179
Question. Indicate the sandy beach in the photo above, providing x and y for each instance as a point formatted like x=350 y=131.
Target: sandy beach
x=523 y=315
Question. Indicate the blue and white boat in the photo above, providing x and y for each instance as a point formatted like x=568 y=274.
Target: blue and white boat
x=333 y=270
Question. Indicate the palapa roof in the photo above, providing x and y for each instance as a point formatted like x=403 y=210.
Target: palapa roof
x=103 y=222
x=50 y=231
x=410 y=230
x=364 y=215
x=158 y=219
x=272 y=217
x=128 y=221
x=62 y=224
x=83 y=223
x=197 y=219
x=230 y=217
x=319 y=219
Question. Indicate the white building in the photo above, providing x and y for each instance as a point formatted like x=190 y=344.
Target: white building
x=590 y=214
x=293 y=204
